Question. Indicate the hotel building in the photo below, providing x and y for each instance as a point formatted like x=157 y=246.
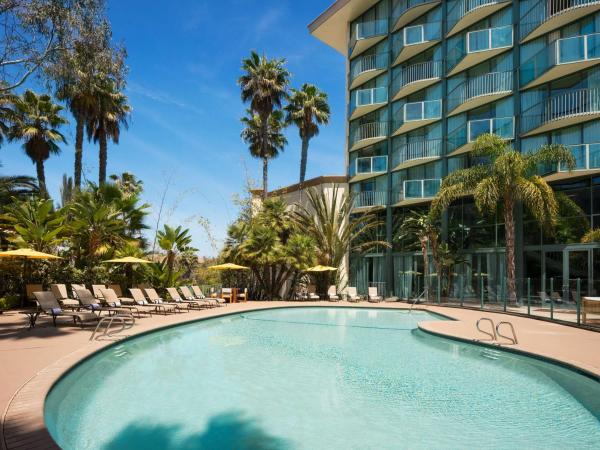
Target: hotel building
x=425 y=78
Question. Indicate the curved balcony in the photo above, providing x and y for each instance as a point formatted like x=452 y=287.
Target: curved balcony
x=480 y=90
x=564 y=57
x=461 y=140
x=413 y=40
x=369 y=199
x=368 y=134
x=479 y=46
x=416 y=153
x=417 y=191
x=416 y=115
x=367 y=67
x=564 y=110
x=546 y=16
x=415 y=77
x=363 y=101
x=367 y=167
x=367 y=34
x=407 y=11
x=468 y=12
x=587 y=162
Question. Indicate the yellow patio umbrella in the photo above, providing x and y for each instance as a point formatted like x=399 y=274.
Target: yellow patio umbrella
x=320 y=268
x=26 y=254
x=228 y=266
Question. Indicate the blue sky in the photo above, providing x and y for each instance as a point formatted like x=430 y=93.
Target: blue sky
x=184 y=60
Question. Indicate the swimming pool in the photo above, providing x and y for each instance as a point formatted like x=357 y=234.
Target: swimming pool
x=318 y=378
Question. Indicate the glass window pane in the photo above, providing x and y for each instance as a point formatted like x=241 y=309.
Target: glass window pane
x=571 y=49
x=364 y=97
x=412 y=189
x=363 y=165
x=431 y=188
x=594 y=156
x=503 y=127
x=413 y=111
x=413 y=35
x=477 y=128
x=433 y=109
x=501 y=37
x=578 y=152
x=379 y=164
x=593 y=44
x=478 y=40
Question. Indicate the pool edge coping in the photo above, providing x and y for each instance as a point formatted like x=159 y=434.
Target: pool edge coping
x=39 y=386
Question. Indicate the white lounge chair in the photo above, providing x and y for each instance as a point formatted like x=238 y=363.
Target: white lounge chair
x=352 y=295
x=332 y=294
x=374 y=296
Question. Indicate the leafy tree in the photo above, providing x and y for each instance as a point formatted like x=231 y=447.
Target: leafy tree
x=35 y=224
x=509 y=178
x=307 y=109
x=264 y=145
x=174 y=241
x=36 y=123
x=264 y=85
x=111 y=112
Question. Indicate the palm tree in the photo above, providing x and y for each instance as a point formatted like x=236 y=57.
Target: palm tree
x=510 y=177
x=6 y=114
x=16 y=187
x=173 y=241
x=307 y=109
x=36 y=123
x=263 y=145
x=110 y=113
x=263 y=85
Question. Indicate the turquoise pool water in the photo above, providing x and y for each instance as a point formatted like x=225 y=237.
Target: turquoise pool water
x=318 y=378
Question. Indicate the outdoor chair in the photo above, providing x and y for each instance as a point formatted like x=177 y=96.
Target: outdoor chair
x=352 y=295
x=243 y=295
x=556 y=297
x=31 y=288
x=188 y=295
x=60 y=293
x=374 y=296
x=97 y=290
x=88 y=301
x=153 y=297
x=117 y=289
x=198 y=292
x=213 y=300
x=75 y=288
x=49 y=305
x=140 y=301
x=311 y=293
x=190 y=303
x=589 y=305
x=332 y=294
x=227 y=294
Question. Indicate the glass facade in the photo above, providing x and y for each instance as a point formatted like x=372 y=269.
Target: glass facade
x=426 y=78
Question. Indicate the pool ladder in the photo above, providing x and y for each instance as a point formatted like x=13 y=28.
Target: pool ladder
x=495 y=330
x=126 y=321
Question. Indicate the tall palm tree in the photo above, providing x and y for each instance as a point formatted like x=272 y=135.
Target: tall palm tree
x=6 y=114
x=263 y=85
x=263 y=145
x=110 y=113
x=510 y=177
x=307 y=109
x=173 y=241
x=36 y=123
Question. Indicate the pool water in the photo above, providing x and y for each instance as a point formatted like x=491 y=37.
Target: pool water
x=318 y=378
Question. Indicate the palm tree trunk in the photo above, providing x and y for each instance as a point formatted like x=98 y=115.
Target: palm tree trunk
x=509 y=224
x=265 y=177
x=41 y=176
x=303 y=159
x=78 y=153
x=103 y=158
x=425 y=267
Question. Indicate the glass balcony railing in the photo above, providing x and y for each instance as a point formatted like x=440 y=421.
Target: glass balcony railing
x=489 y=39
x=370 y=164
x=488 y=84
x=369 y=199
x=366 y=30
x=544 y=10
x=366 y=97
x=367 y=63
x=373 y=130
x=464 y=7
x=579 y=102
x=401 y=6
x=503 y=127
x=430 y=109
x=587 y=157
x=415 y=189
x=412 y=151
x=415 y=35
x=416 y=72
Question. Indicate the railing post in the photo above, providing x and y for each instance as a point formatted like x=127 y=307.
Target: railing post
x=528 y=296
x=481 y=289
x=462 y=290
x=578 y=301
x=551 y=298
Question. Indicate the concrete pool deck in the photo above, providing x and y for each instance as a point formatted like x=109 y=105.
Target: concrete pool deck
x=32 y=360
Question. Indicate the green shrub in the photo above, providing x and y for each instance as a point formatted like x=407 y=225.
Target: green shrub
x=9 y=302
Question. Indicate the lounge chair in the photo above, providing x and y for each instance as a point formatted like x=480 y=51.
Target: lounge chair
x=332 y=294
x=60 y=293
x=87 y=299
x=110 y=298
x=311 y=293
x=49 y=305
x=352 y=295
x=374 y=296
x=198 y=295
x=30 y=289
x=589 y=305
x=187 y=295
x=556 y=297
x=117 y=289
x=140 y=301
x=153 y=297
x=243 y=295
x=190 y=303
x=97 y=290
x=227 y=294
x=75 y=288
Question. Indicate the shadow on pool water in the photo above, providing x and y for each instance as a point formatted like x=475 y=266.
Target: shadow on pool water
x=231 y=430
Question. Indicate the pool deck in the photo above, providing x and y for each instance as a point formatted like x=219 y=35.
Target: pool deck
x=32 y=360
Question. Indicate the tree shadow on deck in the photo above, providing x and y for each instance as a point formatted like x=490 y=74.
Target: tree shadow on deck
x=232 y=430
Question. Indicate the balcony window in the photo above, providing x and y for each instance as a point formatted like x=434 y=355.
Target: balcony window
x=431 y=109
x=421 y=188
x=578 y=48
x=365 y=30
x=587 y=156
x=371 y=164
x=503 y=127
x=414 y=35
x=371 y=96
x=488 y=39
